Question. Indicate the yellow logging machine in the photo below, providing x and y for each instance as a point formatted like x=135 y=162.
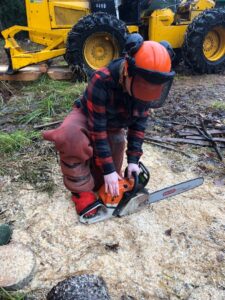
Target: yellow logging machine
x=89 y=34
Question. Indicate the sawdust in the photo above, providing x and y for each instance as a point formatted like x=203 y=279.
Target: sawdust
x=174 y=249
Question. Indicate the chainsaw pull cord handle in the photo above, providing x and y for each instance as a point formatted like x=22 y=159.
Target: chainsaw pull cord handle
x=127 y=195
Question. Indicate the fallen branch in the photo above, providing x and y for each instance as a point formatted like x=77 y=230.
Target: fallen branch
x=183 y=124
x=197 y=127
x=198 y=137
x=207 y=136
x=184 y=141
x=214 y=143
x=47 y=124
x=147 y=140
x=8 y=88
x=190 y=132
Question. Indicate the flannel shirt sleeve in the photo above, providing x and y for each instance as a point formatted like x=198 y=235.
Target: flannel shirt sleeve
x=96 y=97
x=135 y=138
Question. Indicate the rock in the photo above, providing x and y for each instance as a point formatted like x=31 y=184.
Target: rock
x=114 y=247
x=17 y=265
x=82 y=287
x=220 y=257
x=5 y=234
x=168 y=232
x=127 y=297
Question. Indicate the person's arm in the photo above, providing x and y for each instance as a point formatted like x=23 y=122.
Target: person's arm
x=96 y=98
x=135 y=138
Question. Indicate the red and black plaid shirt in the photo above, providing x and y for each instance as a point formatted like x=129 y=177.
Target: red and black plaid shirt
x=108 y=107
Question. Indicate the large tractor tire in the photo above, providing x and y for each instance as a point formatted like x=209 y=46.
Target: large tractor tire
x=204 y=44
x=94 y=41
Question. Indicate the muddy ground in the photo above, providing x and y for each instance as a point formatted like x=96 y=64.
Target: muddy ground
x=174 y=249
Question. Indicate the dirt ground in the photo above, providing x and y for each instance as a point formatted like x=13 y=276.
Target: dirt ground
x=174 y=249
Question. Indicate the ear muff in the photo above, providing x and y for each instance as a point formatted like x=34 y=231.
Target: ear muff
x=133 y=43
x=169 y=49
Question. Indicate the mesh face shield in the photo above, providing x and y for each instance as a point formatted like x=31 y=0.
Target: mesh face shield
x=149 y=86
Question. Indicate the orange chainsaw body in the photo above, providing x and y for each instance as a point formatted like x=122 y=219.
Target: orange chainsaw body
x=125 y=185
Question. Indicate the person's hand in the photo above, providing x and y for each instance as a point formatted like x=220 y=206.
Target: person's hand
x=132 y=168
x=112 y=184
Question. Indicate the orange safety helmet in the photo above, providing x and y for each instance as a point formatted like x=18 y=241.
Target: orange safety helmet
x=148 y=65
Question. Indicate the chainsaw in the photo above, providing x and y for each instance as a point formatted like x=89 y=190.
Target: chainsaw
x=133 y=196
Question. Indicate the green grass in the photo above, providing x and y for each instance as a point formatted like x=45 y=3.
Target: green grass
x=31 y=117
x=25 y=156
x=10 y=142
x=6 y=295
x=51 y=100
x=218 y=105
x=46 y=85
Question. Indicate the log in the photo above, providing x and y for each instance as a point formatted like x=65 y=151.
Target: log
x=190 y=132
x=33 y=72
x=60 y=73
x=17 y=265
x=30 y=73
x=198 y=137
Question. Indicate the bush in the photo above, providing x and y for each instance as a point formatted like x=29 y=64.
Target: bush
x=12 y=12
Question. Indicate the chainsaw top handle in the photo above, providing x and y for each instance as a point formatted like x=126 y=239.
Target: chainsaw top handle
x=127 y=195
x=134 y=190
x=143 y=177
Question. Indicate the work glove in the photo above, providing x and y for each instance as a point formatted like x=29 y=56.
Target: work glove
x=132 y=168
x=112 y=184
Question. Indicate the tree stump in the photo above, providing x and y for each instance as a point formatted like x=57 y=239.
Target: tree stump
x=17 y=265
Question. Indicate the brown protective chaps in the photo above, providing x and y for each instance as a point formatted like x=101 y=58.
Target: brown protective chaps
x=72 y=140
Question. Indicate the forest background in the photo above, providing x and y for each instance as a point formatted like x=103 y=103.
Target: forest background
x=12 y=12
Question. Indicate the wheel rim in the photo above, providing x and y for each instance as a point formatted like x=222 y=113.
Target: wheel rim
x=214 y=44
x=100 y=49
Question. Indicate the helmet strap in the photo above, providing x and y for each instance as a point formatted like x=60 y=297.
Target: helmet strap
x=130 y=65
x=123 y=75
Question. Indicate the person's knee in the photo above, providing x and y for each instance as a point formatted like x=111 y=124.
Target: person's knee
x=79 y=183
